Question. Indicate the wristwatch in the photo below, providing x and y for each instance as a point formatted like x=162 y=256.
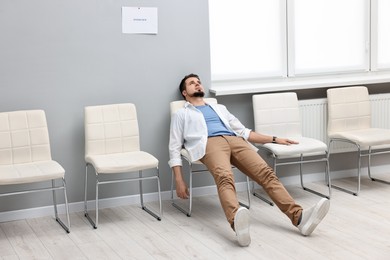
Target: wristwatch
x=274 y=139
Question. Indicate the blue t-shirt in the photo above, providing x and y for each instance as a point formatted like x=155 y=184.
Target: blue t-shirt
x=215 y=126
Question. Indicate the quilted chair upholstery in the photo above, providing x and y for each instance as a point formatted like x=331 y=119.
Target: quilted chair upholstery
x=278 y=115
x=349 y=121
x=25 y=155
x=112 y=146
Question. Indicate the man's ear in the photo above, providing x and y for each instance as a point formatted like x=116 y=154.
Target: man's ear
x=184 y=93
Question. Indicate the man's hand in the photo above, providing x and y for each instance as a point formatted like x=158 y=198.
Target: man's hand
x=285 y=141
x=258 y=138
x=182 y=189
x=181 y=186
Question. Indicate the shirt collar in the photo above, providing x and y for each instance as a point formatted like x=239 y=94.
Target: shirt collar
x=188 y=104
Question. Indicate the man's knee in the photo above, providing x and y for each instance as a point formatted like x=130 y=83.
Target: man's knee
x=266 y=174
x=223 y=176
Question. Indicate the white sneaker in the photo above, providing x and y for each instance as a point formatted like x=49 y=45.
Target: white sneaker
x=312 y=217
x=241 y=226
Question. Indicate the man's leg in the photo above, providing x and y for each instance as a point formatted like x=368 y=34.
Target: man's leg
x=250 y=163
x=217 y=161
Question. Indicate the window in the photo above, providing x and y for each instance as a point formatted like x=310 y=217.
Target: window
x=328 y=36
x=258 y=39
x=383 y=23
x=247 y=38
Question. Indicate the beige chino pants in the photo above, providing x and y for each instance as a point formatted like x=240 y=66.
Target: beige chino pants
x=224 y=151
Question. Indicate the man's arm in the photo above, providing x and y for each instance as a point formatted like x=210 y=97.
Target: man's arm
x=263 y=139
x=181 y=186
x=251 y=136
x=175 y=145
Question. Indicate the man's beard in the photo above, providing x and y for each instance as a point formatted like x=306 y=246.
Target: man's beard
x=198 y=94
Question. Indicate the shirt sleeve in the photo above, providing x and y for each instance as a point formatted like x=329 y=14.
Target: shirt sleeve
x=233 y=122
x=176 y=140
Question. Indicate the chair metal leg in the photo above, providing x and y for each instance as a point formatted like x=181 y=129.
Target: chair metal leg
x=358 y=184
x=53 y=188
x=248 y=191
x=173 y=201
x=189 y=211
x=66 y=203
x=190 y=197
x=95 y=224
x=172 y=185
x=369 y=169
x=85 y=199
x=159 y=192
x=54 y=199
x=85 y=189
x=140 y=190
x=97 y=202
x=359 y=168
x=260 y=196
x=327 y=176
x=66 y=228
x=142 y=197
x=308 y=189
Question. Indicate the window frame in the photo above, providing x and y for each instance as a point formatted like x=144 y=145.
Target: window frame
x=289 y=80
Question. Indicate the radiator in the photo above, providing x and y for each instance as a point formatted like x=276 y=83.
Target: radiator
x=314 y=118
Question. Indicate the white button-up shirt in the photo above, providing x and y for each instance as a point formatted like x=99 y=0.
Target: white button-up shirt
x=189 y=130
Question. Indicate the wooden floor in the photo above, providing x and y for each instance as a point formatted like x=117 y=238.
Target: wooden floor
x=355 y=228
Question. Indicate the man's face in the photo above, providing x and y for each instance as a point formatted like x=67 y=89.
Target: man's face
x=194 y=88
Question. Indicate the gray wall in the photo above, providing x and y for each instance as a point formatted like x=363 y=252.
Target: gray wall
x=63 y=55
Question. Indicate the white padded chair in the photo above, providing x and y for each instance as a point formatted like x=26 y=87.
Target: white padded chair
x=111 y=147
x=349 y=121
x=278 y=115
x=25 y=156
x=174 y=106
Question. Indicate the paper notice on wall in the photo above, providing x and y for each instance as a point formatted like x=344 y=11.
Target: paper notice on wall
x=139 y=20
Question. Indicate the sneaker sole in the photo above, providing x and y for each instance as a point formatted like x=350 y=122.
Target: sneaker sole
x=319 y=213
x=241 y=226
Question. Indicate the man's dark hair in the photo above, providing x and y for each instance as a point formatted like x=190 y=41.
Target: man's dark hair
x=182 y=85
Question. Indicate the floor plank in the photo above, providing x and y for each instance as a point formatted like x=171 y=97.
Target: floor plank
x=24 y=241
x=357 y=227
x=56 y=241
x=6 y=249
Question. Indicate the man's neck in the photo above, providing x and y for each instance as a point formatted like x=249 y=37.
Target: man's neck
x=197 y=101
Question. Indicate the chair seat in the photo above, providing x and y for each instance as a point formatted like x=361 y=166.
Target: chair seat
x=122 y=162
x=365 y=137
x=306 y=146
x=30 y=172
x=186 y=156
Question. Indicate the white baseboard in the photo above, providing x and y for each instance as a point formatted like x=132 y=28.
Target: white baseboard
x=166 y=195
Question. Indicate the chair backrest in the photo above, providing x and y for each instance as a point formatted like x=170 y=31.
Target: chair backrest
x=277 y=114
x=24 y=137
x=111 y=129
x=176 y=105
x=348 y=109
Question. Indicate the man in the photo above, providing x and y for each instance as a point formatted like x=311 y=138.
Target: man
x=211 y=134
